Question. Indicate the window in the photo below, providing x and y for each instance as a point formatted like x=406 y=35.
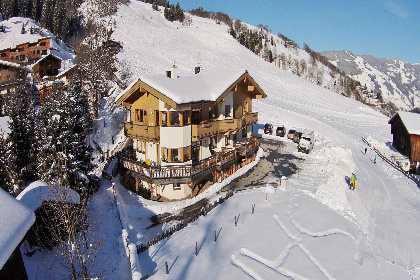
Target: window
x=176 y=186
x=227 y=111
x=44 y=52
x=187 y=153
x=244 y=108
x=227 y=140
x=175 y=155
x=38 y=51
x=244 y=132
x=43 y=43
x=20 y=49
x=140 y=115
x=141 y=146
x=164 y=119
x=175 y=118
x=212 y=113
x=157 y=117
x=3 y=54
x=165 y=154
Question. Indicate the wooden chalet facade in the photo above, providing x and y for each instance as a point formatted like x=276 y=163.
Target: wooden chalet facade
x=405 y=130
x=28 y=52
x=47 y=66
x=10 y=75
x=187 y=130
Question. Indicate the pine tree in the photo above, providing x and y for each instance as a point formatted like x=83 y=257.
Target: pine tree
x=64 y=132
x=46 y=20
x=6 y=173
x=21 y=137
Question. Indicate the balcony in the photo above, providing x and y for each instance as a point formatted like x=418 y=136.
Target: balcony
x=215 y=127
x=136 y=131
x=188 y=173
x=170 y=174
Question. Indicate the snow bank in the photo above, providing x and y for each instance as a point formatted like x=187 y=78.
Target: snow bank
x=37 y=192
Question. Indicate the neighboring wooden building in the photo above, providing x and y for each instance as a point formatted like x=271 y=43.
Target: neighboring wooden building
x=405 y=130
x=44 y=200
x=10 y=75
x=28 y=52
x=47 y=66
x=188 y=130
x=15 y=221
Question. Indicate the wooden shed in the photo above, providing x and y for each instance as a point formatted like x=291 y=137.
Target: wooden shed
x=405 y=130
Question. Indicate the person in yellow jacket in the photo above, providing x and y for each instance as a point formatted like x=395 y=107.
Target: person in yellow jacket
x=353 y=180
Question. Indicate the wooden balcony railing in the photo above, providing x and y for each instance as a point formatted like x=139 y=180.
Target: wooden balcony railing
x=214 y=127
x=142 y=131
x=188 y=173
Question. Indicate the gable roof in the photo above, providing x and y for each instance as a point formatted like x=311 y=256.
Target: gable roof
x=205 y=86
x=45 y=57
x=37 y=192
x=15 y=221
x=411 y=121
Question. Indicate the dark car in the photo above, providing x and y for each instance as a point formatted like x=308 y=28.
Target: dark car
x=281 y=131
x=291 y=134
x=268 y=128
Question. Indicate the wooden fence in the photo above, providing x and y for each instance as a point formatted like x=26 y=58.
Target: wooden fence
x=393 y=164
x=143 y=246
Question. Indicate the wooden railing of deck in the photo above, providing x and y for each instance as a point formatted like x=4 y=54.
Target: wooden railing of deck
x=214 y=127
x=142 y=131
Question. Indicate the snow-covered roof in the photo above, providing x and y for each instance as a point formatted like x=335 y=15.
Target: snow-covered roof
x=4 y=126
x=11 y=64
x=205 y=86
x=42 y=58
x=15 y=221
x=411 y=121
x=36 y=193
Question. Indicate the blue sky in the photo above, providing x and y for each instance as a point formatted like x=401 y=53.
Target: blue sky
x=381 y=28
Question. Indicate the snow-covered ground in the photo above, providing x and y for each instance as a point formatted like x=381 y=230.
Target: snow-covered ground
x=315 y=229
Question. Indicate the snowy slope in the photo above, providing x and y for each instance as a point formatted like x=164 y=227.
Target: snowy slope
x=318 y=228
x=396 y=80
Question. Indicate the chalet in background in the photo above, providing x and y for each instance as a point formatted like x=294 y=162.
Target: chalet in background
x=46 y=66
x=405 y=129
x=27 y=53
x=10 y=74
x=187 y=132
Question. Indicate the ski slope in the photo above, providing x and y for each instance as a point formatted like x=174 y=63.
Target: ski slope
x=317 y=228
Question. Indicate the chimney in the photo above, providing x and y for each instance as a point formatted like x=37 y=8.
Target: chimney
x=172 y=73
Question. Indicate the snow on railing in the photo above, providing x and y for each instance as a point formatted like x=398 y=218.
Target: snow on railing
x=393 y=164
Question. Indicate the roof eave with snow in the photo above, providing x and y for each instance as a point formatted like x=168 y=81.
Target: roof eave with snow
x=188 y=89
x=15 y=221
x=411 y=121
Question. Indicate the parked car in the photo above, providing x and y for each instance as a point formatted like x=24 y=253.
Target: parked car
x=291 y=133
x=306 y=143
x=281 y=131
x=268 y=128
x=296 y=136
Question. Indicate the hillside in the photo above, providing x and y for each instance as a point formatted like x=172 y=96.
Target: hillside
x=299 y=231
x=397 y=81
x=315 y=229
